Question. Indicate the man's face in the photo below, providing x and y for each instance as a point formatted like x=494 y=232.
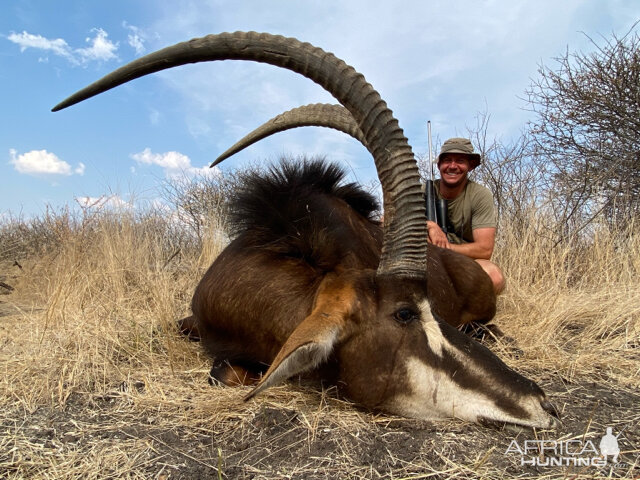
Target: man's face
x=453 y=168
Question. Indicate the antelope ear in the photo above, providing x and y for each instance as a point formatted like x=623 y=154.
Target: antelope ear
x=308 y=346
x=313 y=340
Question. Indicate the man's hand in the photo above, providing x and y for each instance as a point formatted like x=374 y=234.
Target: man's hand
x=436 y=235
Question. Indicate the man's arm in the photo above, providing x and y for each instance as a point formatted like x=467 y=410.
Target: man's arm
x=482 y=245
x=436 y=235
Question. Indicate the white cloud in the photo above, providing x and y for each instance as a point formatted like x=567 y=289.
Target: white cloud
x=173 y=163
x=168 y=160
x=205 y=171
x=41 y=162
x=136 y=38
x=137 y=43
x=27 y=40
x=100 y=47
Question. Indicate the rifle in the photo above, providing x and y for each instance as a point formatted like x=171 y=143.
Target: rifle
x=436 y=207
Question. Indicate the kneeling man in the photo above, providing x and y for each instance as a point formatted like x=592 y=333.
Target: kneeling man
x=472 y=218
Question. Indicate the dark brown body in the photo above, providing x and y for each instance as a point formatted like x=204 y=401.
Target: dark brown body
x=266 y=280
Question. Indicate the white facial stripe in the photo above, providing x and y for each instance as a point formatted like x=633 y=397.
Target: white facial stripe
x=437 y=342
x=432 y=329
x=433 y=395
x=530 y=403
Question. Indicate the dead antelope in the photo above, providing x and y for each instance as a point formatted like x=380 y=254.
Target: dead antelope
x=459 y=292
x=307 y=285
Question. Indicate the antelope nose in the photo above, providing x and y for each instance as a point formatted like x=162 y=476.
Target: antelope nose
x=550 y=408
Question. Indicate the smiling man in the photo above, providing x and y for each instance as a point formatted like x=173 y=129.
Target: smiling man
x=472 y=218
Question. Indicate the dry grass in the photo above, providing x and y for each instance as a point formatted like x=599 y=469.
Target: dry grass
x=96 y=383
x=575 y=308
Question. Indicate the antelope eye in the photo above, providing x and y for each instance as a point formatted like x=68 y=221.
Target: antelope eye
x=405 y=316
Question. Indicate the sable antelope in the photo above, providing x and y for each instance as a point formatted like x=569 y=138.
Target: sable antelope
x=460 y=292
x=296 y=294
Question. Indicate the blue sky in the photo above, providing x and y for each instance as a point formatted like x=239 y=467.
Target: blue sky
x=443 y=61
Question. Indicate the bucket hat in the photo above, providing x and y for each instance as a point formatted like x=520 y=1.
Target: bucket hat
x=460 y=145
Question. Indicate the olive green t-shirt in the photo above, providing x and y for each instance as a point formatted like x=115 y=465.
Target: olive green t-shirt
x=472 y=209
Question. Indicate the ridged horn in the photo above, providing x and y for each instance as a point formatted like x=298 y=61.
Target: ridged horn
x=404 y=249
x=313 y=115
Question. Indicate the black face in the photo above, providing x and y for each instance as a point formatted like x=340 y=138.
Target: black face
x=371 y=360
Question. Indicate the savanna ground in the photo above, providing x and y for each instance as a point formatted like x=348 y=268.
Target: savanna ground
x=96 y=383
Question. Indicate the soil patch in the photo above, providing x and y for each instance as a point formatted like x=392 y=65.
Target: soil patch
x=272 y=441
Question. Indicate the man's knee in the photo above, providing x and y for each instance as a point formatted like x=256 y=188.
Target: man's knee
x=495 y=274
x=498 y=280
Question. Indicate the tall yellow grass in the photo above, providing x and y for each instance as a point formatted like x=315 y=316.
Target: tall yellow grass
x=97 y=304
x=101 y=303
x=574 y=307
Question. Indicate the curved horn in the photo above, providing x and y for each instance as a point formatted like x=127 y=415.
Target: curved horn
x=404 y=249
x=313 y=115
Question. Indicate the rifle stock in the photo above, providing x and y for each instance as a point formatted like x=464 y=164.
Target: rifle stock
x=436 y=207
x=430 y=201
x=441 y=214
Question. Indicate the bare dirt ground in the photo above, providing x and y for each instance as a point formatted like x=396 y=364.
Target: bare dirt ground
x=269 y=441
x=166 y=422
